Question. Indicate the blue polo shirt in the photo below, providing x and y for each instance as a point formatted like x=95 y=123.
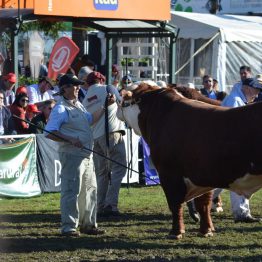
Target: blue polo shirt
x=235 y=99
x=59 y=116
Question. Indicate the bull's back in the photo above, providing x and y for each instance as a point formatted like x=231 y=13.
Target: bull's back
x=196 y=138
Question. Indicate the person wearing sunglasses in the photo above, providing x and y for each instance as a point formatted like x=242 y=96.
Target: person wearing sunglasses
x=70 y=125
x=207 y=89
x=38 y=93
x=18 y=108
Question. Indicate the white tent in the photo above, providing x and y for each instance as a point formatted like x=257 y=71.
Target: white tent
x=217 y=45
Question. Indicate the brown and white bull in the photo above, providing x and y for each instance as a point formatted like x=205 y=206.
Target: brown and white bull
x=196 y=147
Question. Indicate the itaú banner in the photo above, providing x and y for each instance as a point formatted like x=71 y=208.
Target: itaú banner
x=112 y=9
x=18 y=174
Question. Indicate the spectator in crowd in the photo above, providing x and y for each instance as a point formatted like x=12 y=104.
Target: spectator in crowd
x=31 y=111
x=82 y=75
x=37 y=93
x=244 y=72
x=21 y=89
x=209 y=89
x=18 y=108
x=70 y=124
x=115 y=78
x=126 y=84
x=7 y=85
x=109 y=175
x=84 y=61
x=40 y=120
x=43 y=69
x=240 y=97
x=219 y=94
x=6 y=121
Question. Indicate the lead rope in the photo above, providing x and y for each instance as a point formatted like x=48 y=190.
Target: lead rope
x=107 y=136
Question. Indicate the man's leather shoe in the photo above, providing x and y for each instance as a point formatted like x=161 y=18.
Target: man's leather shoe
x=92 y=231
x=248 y=219
x=108 y=212
x=70 y=234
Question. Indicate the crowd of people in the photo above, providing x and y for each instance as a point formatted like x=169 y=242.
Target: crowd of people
x=80 y=114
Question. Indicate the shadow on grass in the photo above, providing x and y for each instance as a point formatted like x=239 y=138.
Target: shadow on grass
x=30 y=218
x=190 y=259
x=59 y=243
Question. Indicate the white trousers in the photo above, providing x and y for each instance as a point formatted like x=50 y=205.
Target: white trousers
x=108 y=191
x=239 y=204
x=78 y=193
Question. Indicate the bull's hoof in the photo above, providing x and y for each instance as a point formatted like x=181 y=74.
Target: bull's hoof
x=207 y=234
x=173 y=235
x=176 y=237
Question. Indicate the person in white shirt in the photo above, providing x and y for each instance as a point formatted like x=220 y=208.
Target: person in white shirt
x=108 y=186
x=38 y=93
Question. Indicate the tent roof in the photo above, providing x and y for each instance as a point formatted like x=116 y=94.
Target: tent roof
x=233 y=27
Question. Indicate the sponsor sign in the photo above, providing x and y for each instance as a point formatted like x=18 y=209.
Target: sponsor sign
x=105 y=4
x=48 y=164
x=151 y=175
x=18 y=174
x=62 y=55
x=112 y=9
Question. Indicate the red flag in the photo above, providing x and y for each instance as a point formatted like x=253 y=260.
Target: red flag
x=63 y=54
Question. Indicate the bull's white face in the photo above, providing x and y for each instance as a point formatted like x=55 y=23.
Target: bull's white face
x=130 y=114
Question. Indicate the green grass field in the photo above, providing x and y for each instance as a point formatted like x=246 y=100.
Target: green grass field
x=29 y=231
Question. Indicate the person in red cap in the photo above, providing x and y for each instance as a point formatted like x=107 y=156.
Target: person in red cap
x=32 y=111
x=7 y=85
x=21 y=89
x=107 y=189
x=40 y=120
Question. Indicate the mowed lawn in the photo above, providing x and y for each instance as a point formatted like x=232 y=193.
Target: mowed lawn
x=29 y=231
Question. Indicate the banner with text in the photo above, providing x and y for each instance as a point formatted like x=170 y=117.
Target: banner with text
x=151 y=175
x=48 y=164
x=18 y=175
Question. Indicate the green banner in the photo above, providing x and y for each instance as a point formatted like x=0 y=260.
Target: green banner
x=18 y=173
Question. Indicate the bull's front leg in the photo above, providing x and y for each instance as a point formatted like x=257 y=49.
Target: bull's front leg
x=203 y=206
x=175 y=195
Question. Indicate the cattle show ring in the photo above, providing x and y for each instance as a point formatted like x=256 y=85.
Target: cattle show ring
x=186 y=153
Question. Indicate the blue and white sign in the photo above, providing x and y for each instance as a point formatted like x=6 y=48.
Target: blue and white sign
x=111 y=5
